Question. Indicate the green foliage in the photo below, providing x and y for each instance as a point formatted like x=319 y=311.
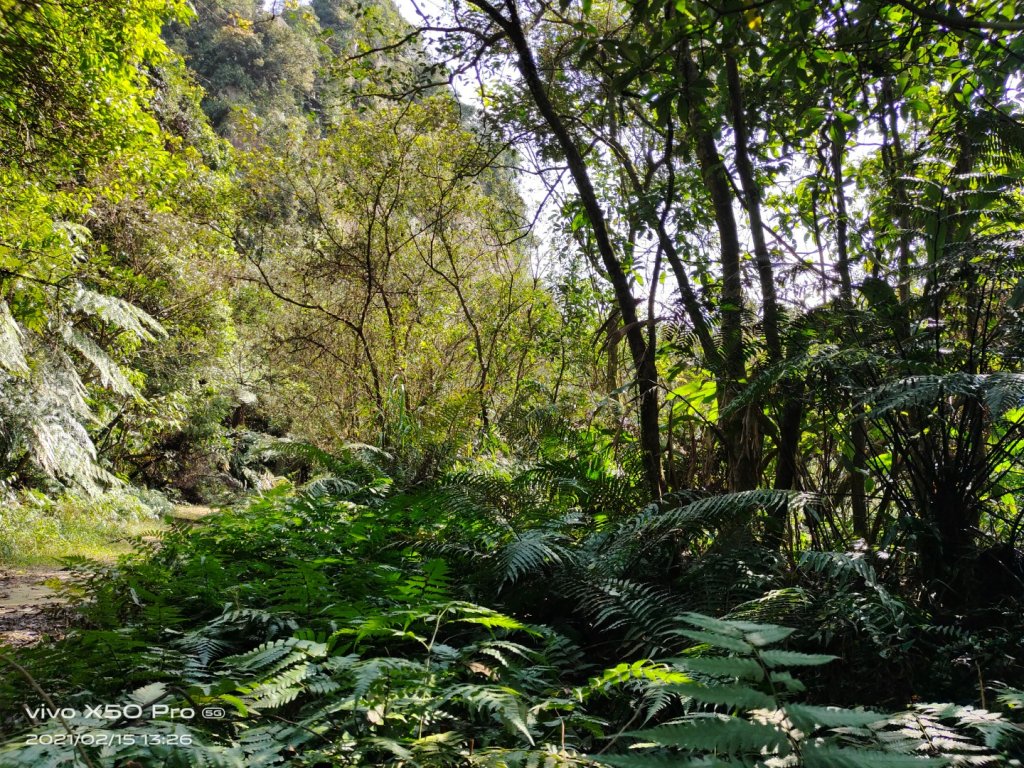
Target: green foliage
x=284 y=262
x=45 y=409
x=438 y=310
x=359 y=644
x=741 y=712
x=35 y=529
x=327 y=628
x=72 y=81
x=93 y=189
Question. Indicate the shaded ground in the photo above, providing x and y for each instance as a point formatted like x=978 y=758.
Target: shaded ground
x=31 y=608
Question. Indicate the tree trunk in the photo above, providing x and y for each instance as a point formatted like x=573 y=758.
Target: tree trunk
x=752 y=204
x=858 y=438
x=643 y=361
x=741 y=428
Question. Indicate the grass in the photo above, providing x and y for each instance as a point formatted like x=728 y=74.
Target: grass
x=37 y=532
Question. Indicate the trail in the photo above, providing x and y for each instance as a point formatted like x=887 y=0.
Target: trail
x=31 y=606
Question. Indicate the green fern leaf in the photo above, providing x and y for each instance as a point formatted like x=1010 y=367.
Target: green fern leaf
x=148 y=694
x=737 y=644
x=718 y=734
x=659 y=760
x=118 y=313
x=828 y=756
x=808 y=718
x=735 y=696
x=729 y=666
x=794 y=659
x=12 y=354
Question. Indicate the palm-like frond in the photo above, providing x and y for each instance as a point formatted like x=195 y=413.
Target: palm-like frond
x=116 y=312
x=1000 y=392
x=12 y=353
x=716 y=513
x=641 y=613
x=43 y=394
x=532 y=552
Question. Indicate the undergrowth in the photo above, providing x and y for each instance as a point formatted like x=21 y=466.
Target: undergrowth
x=37 y=530
x=508 y=617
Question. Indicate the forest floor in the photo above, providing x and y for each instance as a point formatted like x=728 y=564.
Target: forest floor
x=31 y=604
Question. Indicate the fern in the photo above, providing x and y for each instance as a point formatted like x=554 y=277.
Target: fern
x=12 y=352
x=501 y=702
x=432 y=585
x=531 y=552
x=331 y=634
x=998 y=391
x=642 y=613
x=783 y=605
x=43 y=396
x=761 y=725
x=719 y=734
x=117 y=312
x=853 y=595
x=110 y=373
x=351 y=472
x=730 y=510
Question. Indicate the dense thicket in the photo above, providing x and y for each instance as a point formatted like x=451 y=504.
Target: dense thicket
x=264 y=246
x=725 y=450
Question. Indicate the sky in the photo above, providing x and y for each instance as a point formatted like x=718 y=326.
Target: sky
x=531 y=187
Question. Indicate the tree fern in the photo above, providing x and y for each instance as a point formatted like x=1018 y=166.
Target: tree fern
x=45 y=415
x=43 y=396
x=118 y=313
x=720 y=511
x=998 y=391
x=12 y=353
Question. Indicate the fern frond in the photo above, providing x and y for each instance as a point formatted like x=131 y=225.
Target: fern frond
x=732 y=696
x=12 y=353
x=117 y=312
x=809 y=718
x=500 y=701
x=716 y=511
x=532 y=551
x=729 y=667
x=831 y=756
x=718 y=733
x=643 y=612
x=785 y=606
x=842 y=566
x=999 y=392
x=111 y=375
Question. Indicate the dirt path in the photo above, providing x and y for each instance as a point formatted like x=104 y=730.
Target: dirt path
x=31 y=608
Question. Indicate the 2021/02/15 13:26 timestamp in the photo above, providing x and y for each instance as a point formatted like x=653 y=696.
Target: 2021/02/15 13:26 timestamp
x=110 y=739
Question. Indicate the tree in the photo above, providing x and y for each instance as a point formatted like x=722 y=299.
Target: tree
x=735 y=145
x=396 y=255
x=77 y=133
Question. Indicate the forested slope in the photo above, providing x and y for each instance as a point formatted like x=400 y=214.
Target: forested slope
x=632 y=384
x=261 y=246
